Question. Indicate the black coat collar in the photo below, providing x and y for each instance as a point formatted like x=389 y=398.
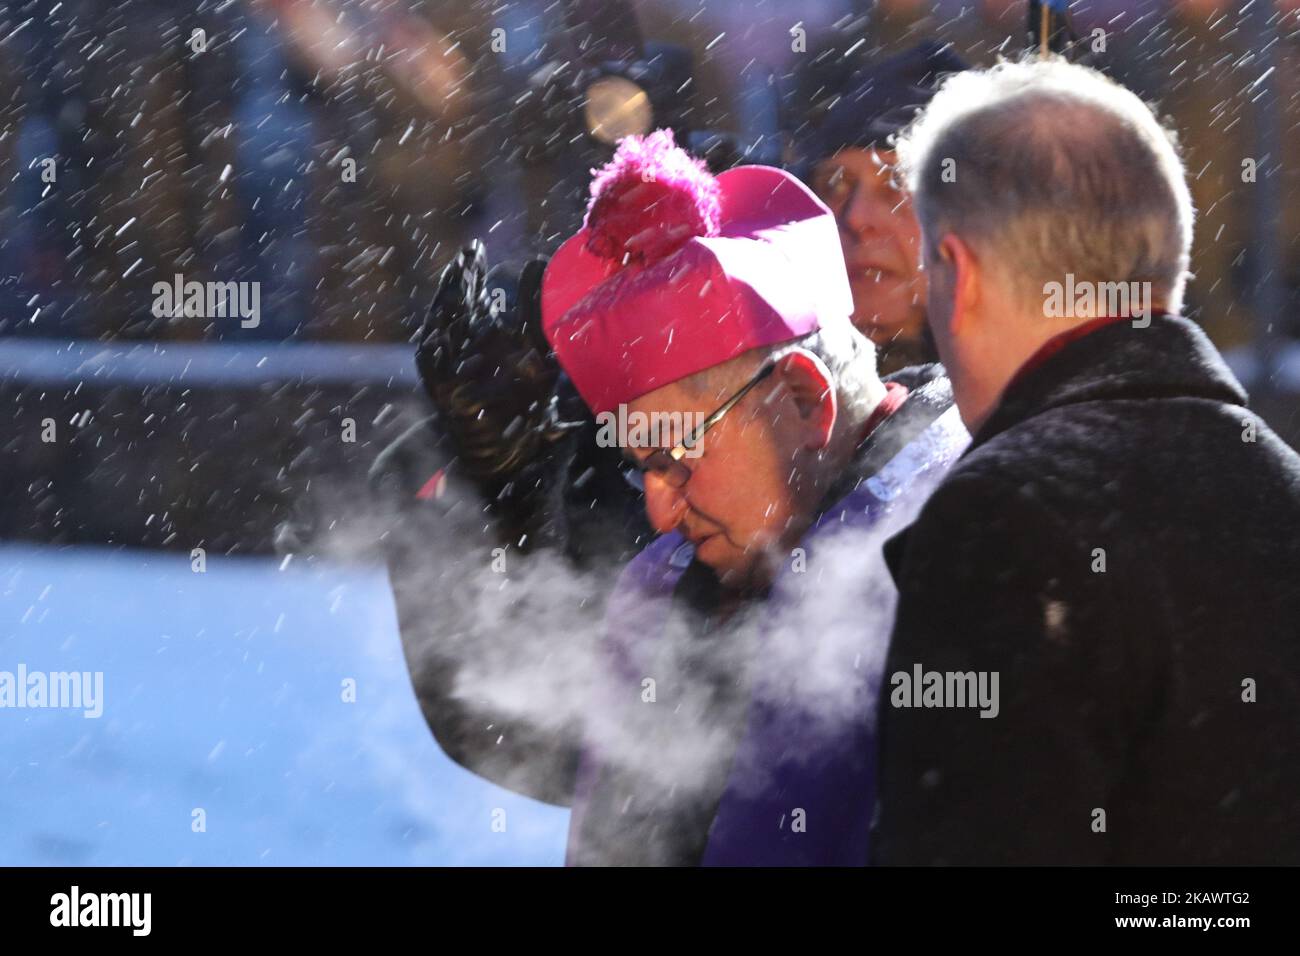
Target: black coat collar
x=1169 y=358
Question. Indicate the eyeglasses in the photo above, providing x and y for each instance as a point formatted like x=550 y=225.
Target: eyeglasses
x=666 y=464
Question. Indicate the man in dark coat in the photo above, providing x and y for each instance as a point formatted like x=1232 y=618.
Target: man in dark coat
x=1096 y=655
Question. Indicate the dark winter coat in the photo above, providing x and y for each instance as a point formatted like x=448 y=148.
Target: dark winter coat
x=1121 y=545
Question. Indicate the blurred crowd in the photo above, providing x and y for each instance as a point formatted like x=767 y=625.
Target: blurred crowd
x=340 y=152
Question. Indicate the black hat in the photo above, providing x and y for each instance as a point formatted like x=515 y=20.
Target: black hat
x=886 y=97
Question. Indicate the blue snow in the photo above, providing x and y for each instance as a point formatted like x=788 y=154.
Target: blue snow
x=224 y=703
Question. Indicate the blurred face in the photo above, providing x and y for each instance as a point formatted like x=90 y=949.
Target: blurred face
x=740 y=507
x=881 y=241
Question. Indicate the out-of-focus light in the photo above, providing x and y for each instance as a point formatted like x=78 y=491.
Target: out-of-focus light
x=617 y=107
x=903 y=8
x=1202 y=9
x=995 y=10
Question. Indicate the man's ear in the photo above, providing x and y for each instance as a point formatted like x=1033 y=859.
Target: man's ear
x=964 y=269
x=811 y=386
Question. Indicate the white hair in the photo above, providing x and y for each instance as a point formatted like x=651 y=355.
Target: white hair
x=1052 y=168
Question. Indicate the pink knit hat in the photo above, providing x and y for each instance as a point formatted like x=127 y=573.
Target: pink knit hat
x=675 y=271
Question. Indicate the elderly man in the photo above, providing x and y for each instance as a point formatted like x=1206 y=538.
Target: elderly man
x=852 y=172
x=730 y=718
x=1116 y=556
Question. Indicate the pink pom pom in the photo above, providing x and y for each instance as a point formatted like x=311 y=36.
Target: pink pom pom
x=650 y=200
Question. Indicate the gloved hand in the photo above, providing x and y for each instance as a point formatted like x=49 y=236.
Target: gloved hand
x=488 y=368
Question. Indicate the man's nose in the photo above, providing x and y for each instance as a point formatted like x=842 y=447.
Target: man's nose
x=861 y=212
x=665 y=506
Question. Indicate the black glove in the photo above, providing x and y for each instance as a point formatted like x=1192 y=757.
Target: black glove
x=489 y=370
x=487 y=366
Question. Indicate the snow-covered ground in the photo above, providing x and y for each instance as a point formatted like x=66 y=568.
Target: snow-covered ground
x=223 y=692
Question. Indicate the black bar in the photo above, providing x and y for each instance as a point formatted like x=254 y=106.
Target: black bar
x=873 y=906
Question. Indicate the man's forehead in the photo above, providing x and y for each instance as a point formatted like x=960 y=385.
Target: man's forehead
x=878 y=154
x=677 y=397
x=860 y=159
x=663 y=399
